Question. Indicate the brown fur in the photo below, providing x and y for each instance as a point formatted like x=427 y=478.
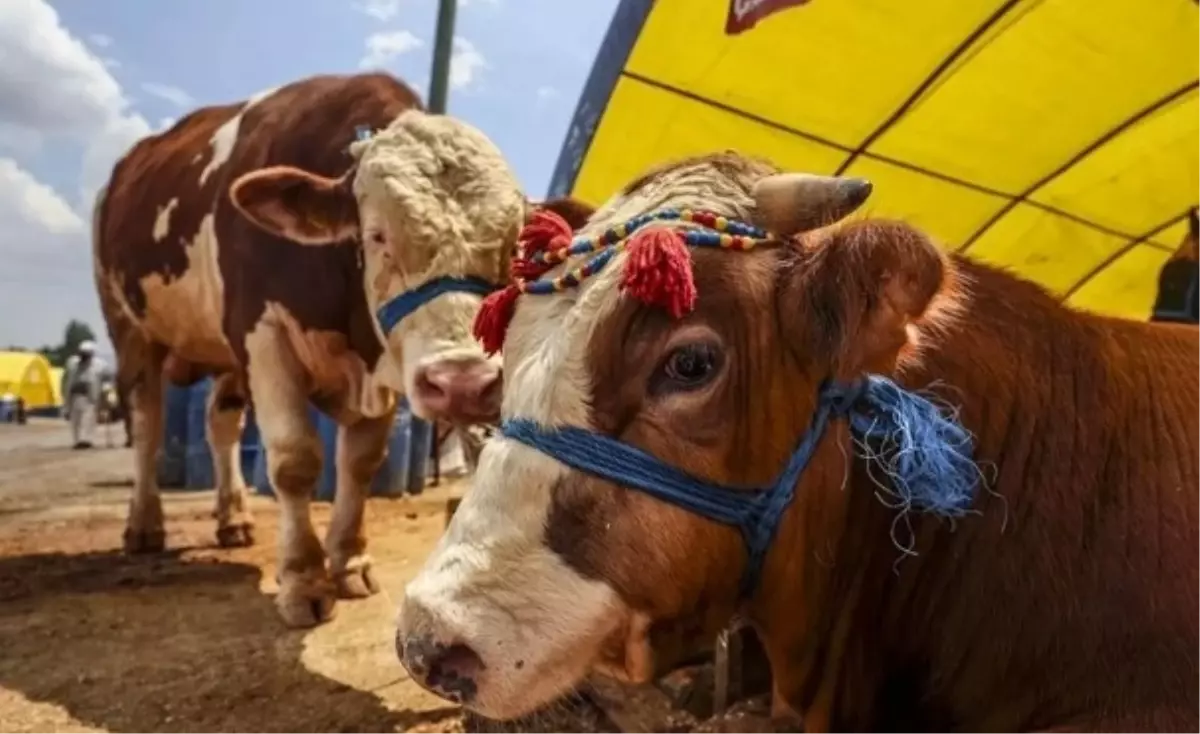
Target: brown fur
x=1070 y=602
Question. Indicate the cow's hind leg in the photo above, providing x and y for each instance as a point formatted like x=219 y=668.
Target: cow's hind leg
x=306 y=594
x=360 y=452
x=226 y=417
x=144 y=526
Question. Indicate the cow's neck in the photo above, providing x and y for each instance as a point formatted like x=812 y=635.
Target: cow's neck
x=855 y=628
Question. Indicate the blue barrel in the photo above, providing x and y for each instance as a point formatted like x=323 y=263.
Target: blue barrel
x=172 y=453
x=199 y=471
x=404 y=469
x=198 y=463
x=251 y=445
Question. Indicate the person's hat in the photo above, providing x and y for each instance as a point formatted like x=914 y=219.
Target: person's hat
x=87 y=346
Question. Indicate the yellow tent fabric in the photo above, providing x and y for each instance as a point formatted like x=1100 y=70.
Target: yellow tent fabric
x=1058 y=138
x=27 y=375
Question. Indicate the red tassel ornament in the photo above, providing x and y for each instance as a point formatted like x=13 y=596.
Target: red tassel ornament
x=495 y=313
x=658 y=271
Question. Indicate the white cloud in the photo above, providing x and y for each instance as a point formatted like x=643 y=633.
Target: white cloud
x=56 y=90
x=385 y=46
x=46 y=276
x=174 y=95
x=165 y=123
x=381 y=10
x=465 y=63
x=110 y=62
x=53 y=85
x=99 y=40
x=30 y=205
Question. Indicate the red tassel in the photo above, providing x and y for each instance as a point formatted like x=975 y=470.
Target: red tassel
x=658 y=271
x=491 y=323
x=545 y=232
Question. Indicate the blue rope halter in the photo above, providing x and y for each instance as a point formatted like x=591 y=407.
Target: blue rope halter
x=396 y=309
x=926 y=456
x=403 y=305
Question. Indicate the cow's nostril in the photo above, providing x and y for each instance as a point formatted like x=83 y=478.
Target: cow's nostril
x=451 y=671
x=454 y=671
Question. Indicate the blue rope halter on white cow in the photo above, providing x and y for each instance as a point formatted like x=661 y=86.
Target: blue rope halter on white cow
x=927 y=457
x=403 y=305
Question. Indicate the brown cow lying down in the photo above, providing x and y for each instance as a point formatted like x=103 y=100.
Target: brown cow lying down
x=1051 y=586
x=300 y=307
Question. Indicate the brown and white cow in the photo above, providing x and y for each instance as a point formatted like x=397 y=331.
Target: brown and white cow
x=280 y=303
x=1064 y=599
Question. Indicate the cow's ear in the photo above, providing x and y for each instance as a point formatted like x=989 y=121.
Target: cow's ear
x=574 y=211
x=298 y=205
x=856 y=294
x=788 y=204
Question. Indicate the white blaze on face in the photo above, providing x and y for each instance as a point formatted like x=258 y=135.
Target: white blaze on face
x=492 y=583
x=436 y=198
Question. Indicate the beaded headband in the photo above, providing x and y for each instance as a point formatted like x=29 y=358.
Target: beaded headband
x=658 y=270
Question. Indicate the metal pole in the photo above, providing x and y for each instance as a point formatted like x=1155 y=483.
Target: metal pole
x=439 y=75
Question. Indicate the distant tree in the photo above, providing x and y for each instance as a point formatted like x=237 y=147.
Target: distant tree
x=75 y=334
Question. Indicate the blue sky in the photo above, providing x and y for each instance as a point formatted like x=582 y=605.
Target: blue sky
x=82 y=79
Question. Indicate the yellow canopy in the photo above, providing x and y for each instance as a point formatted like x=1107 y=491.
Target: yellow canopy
x=1058 y=138
x=28 y=375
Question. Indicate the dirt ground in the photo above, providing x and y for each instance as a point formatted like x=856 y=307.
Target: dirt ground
x=93 y=640
x=188 y=640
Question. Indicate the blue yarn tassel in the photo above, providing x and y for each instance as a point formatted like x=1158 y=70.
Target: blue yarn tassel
x=927 y=455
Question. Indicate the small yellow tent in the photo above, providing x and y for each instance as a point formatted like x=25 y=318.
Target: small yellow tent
x=27 y=375
x=1055 y=137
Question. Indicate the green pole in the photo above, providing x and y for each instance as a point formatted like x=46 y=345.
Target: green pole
x=442 y=46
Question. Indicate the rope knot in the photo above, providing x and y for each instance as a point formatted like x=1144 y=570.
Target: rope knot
x=542 y=244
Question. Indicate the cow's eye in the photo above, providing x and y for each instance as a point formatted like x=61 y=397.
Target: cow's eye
x=689 y=367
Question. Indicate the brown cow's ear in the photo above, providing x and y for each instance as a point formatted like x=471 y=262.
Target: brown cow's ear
x=576 y=212
x=790 y=203
x=298 y=205
x=855 y=290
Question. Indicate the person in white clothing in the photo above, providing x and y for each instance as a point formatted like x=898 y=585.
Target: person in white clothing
x=82 y=383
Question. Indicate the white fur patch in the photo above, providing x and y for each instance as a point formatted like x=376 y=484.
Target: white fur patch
x=162 y=222
x=225 y=137
x=196 y=292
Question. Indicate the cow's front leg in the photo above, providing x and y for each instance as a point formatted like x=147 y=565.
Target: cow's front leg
x=306 y=594
x=361 y=449
x=144 y=525
x=226 y=417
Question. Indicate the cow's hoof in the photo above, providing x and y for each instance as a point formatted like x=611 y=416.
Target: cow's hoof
x=145 y=541
x=236 y=535
x=357 y=581
x=305 y=602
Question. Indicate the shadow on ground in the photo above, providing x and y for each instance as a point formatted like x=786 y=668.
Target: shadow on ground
x=168 y=643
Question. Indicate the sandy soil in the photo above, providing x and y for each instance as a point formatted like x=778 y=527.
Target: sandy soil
x=94 y=640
